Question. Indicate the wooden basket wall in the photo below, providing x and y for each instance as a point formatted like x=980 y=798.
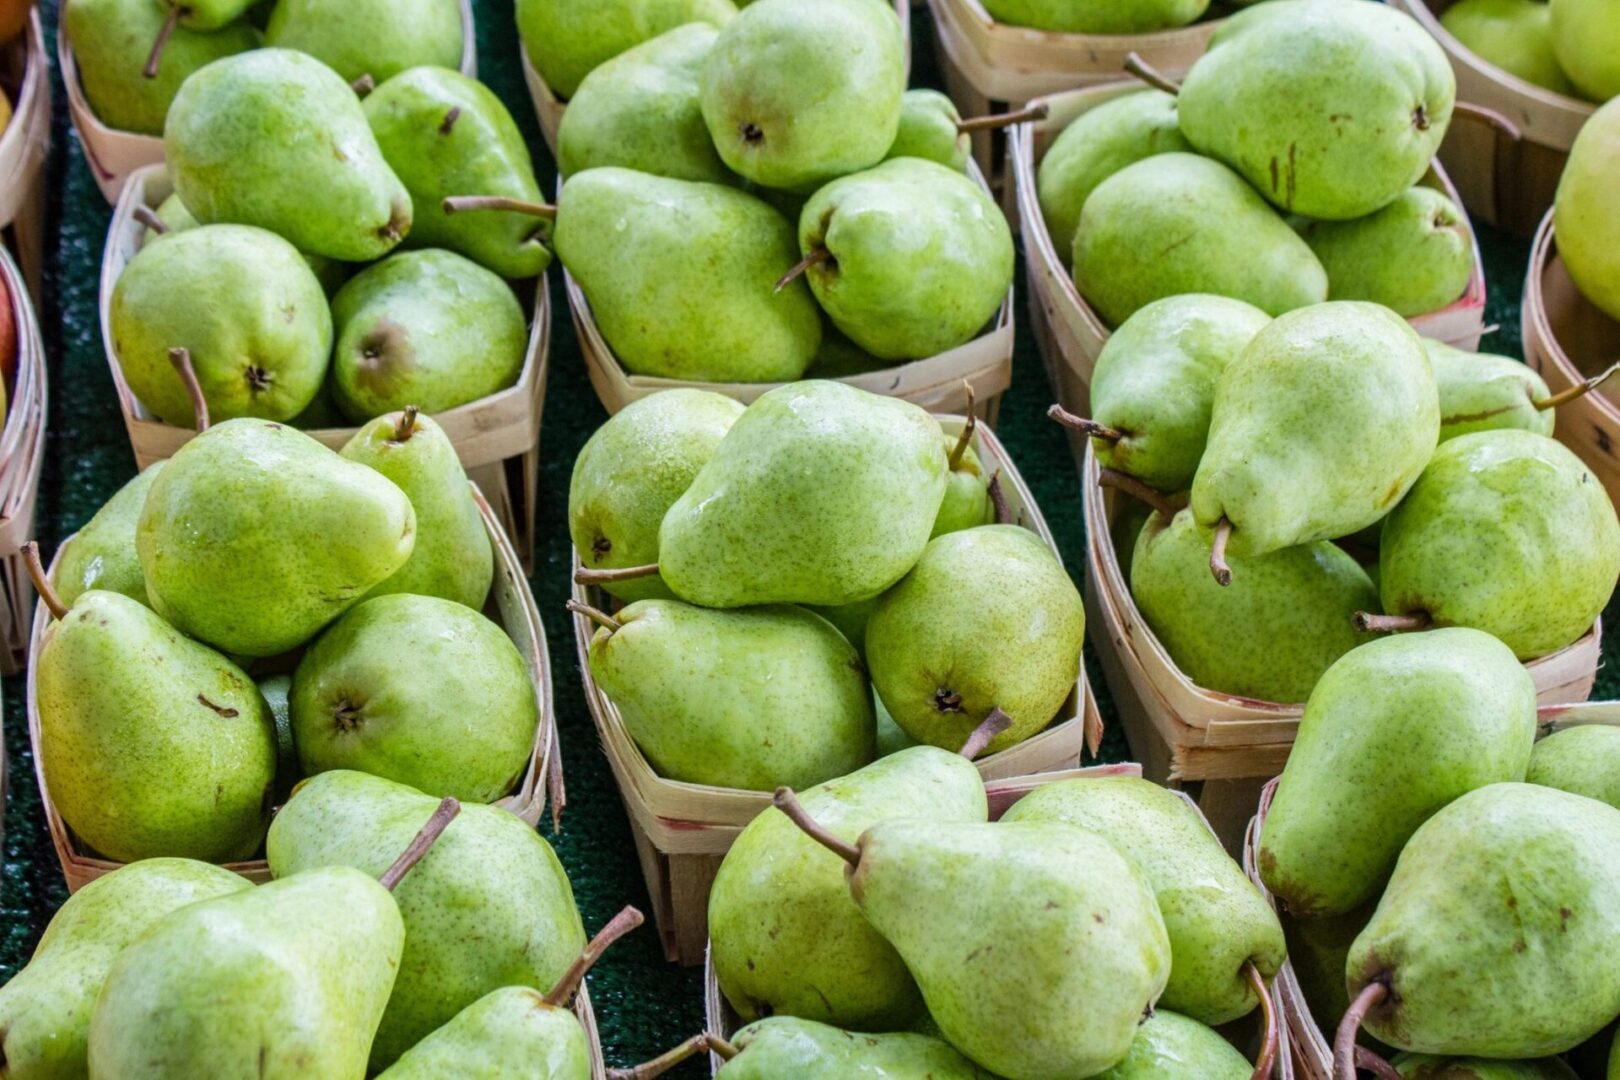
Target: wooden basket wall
x=24 y=146
x=114 y=155
x=683 y=830
x=22 y=454
x=488 y=433
x=510 y=604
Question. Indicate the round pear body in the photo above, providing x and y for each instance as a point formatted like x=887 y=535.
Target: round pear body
x=380 y=38
x=510 y=1028
x=1586 y=39
x=783 y=1046
x=1414 y=256
x=566 y=40
x=102 y=555
x=1587 y=210
x=1169 y=1046
x=1484 y=392
x=1515 y=35
x=967 y=502
x=1097 y=16
x=928 y=130
x=1583 y=760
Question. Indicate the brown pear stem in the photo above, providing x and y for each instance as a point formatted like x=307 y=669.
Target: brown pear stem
x=985 y=733
x=1130 y=485
x=1578 y=390
x=998 y=499
x=448 y=124
x=154 y=59
x=582 y=576
x=596 y=615
x=406 y=427
x=443 y=815
x=1150 y=74
x=997 y=121
x=1217 y=554
x=800 y=268
x=966 y=437
x=1080 y=423
x=621 y=924
x=1344 y=1040
x=1367 y=1061
x=664 y=1062
x=787 y=802
x=457 y=204
x=722 y=1048
x=1369 y=623
x=148 y=217
x=181 y=359
x=42 y=581
x=364 y=85
x=1267 y=1062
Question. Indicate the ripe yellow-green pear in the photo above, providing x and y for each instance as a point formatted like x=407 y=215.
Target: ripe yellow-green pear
x=1515 y=35
x=1587 y=210
x=1586 y=37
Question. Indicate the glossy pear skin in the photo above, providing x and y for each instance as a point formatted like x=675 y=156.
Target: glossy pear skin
x=1586 y=212
x=1484 y=392
x=1583 y=760
x=380 y=38
x=1515 y=35
x=928 y=131
x=785 y=937
x=506 y=1032
x=1394 y=731
x=806 y=1050
x=1414 y=256
x=566 y=39
x=102 y=554
x=1092 y=17
x=1169 y=1046
x=1435 y=1067
x=45 y=1008
x=820 y=494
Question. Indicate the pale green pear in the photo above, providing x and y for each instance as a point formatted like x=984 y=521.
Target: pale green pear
x=967 y=502
x=277 y=691
x=820 y=494
x=102 y=554
x=253 y=583
x=929 y=130
x=566 y=39
x=1587 y=211
x=1434 y=1067
x=629 y=473
x=45 y=1008
x=749 y=699
x=783 y=1046
x=511 y=1031
x=1584 y=760
x=380 y=38
x=1586 y=40
x=204 y=14
x=1414 y=256
x=1329 y=109
x=1178 y=223
x=175 y=218
x=1515 y=35
x=706 y=258
x=1483 y=392
x=277 y=139
x=1394 y=731
x=452 y=557
x=1508 y=532
x=1097 y=16
x=1169 y=1046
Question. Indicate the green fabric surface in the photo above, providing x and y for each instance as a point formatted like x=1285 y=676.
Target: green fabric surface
x=642 y=1003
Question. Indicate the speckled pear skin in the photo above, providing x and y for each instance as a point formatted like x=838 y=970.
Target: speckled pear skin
x=928 y=130
x=1037 y=946
x=1099 y=143
x=102 y=554
x=1529 y=880
x=250 y=140
x=706 y=257
x=111 y=40
x=1484 y=392
x=749 y=699
x=1317 y=949
x=1169 y=1046
x=286 y=980
x=786 y=939
x=452 y=558
x=1394 y=731
x=258 y=584
x=1155 y=383
x=509 y=1032
x=631 y=470
x=152 y=744
x=1584 y=211
x=987 y=619
x=566 y=39
x=1506 y=531
x=797 y=94
x=1433 y=1067
x=1320 y=426
x=640 y=111
x=805 y=1050
x=1270 y=634
x=1514 y=35
x=1330 y=110
x=477 y=152
x=1214 y=916
x=967 y=501
x=921 y=256
x=45 y=1008
x=1097 y=16
x=819 y=494
x=1584 y=760
x=380 y=38
x=177 y=219
x=1177 y=223
x=1413 y=256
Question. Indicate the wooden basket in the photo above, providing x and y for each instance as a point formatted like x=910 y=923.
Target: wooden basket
x=683 y=830
x=549 y=108
x=489 y=434
x=1072 y=334
x=24 y=146
x=22 y=453
x=114 y=155
x=1567 y=339
x=510 y=604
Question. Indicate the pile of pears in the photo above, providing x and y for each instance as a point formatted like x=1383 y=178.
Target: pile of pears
x=809 y=583
x=1567 y=46
x=1283 y=172
x=765 y=183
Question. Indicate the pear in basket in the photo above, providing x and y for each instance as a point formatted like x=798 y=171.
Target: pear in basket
x=1585 y=760
x=1169 y=1046
x=1097 y=16
x=172 y=217
x=968 y=502
x=1438 y=1067
x=380 y=38
x=1414 y=256
x=1587 y=211
x=1515 y=35
x=1586 y=39
x=102 y=555
x=1317 y=950
x=206 y=15
x=1393 y=732
x=566 y=39
x=930 y=128
x=782 y=1046
x=1484 y=392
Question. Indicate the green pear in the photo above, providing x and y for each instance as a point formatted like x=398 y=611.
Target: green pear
x=1178 y=223
x=1169 y=1046
x=513 y=1031
x=1515 y=35
x=1099 y=143
x=243 y=304
x=392 y=689
x=102 y=555
x=838 y=357
x=911 y=258
x=250 y=139
x=640 y=111
x=988 y=619
x=1329 y=109
x=851 y=620
x=820 y=494
x=1527 y=881
x=1587 y=211
x=204 y=14
x=967 y=503
x=445 y=134
x=1317 y=950
x=452 y=557
x=784 y=1046
x=489 y=907
x=1222 y=934
x=1319 y=427
x=380 y=38
x=1097 y=16
x=173 y=218
x=1130 y=517
x=1584 y=760
x=1506 y=531
x=566 y=39
x=747 y=699
x=45 y=1009
x=929 y=130
x=111 y=40
x=631 y=470
x=1586 y=40
x=1392 y=733
x=1414 y=256
x=891 y=737
x=1433 y=1067
x=1483 y=392
x=705 y=257
x=277 y=692
x=253 y=583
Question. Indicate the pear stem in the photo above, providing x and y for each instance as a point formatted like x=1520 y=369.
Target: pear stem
x=1217 y=554
x=966 y=438
x=154 y=59
x=998 y=499
x=997 y=121
x=1344 y=1040
x=1267 y=1061
x=448 y=124
x=1130 y=485
x=181 y=359
x=148 y=217
x=1369 y=623
x=985 y=733
x=457 y=204
x=582 y=576
x=42 y=581
x=787 y=802
x=1579 y=390
x=596 y=615
x=1080 y=423
x=621 y=924
x=407 y=424
x=1367 y=1061
x=722 y=1048
x=364 y=85
x=815 y=258
x=1150 y=74
x=443 y=815
x=666 y=1061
